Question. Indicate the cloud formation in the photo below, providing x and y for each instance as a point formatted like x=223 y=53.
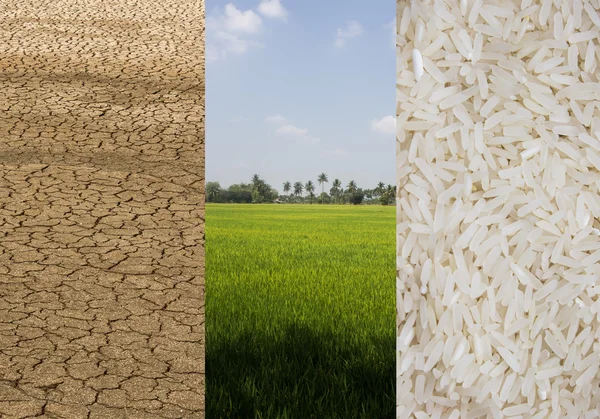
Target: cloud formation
x=350 y=31
x=275 y=119
x=291 y=130
x=385 y=125
x=391 y=26
x=273 y=9
x=235 y=20
x=229 y=32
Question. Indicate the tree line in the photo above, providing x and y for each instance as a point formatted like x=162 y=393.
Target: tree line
x=258 y=191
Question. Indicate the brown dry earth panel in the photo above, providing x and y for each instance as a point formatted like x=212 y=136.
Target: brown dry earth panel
x=102 y=209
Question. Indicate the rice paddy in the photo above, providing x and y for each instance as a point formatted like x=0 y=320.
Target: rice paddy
x=300 y=311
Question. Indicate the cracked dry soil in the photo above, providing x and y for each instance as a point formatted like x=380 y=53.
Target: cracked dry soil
x=102 y=209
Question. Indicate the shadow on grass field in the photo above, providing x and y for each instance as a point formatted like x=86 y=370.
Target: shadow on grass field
x=303 y=374
x=300 y=311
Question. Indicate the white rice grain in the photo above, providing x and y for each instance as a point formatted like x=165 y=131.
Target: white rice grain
x=498 y=142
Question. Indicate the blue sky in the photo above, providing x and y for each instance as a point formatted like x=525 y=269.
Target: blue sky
x=297 y=88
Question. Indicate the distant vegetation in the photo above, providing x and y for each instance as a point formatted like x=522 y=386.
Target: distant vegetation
x=258 y=191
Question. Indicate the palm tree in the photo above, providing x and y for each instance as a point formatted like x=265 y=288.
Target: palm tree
x=380 y=188
x=336 y=188
x=286 y=187
x=213 y=191
x=260 y=190
x=352 y=186
x=255 y=180
x=310 y=188
x=322 y=180
x=298 y=188
x=391 y=190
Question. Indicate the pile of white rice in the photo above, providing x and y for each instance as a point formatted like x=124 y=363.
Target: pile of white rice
x=498 y=252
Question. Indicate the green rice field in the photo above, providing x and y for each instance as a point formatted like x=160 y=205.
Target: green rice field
x=300 y=311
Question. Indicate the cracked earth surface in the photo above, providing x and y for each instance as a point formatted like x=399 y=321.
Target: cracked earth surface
x=102 y=209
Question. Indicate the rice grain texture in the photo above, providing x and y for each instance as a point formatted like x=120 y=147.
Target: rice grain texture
x=498 y=247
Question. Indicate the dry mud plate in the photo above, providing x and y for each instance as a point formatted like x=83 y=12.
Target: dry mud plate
x=101 y=209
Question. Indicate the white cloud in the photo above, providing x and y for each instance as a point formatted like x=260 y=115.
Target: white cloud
x=231 y=43
x=300 y=134
x=273 y=9
x=276 y=119
x=291 y=130
x=229 y=29
x=212 y=53
x=385 y=125
x=393 y=31
x=228 y=32
x=242 y=22
x=351 y=30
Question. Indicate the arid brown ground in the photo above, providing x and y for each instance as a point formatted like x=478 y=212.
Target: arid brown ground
x=101 y=209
